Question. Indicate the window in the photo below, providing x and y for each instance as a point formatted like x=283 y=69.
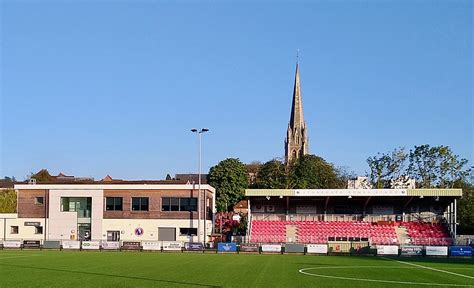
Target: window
x=178 y=204
x=188 y=231
x=38 y=229
x=13 y=229
x=139 y=203
x=113 y=203
x=174 y=204
x=39 y=200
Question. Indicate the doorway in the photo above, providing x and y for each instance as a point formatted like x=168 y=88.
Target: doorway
x=113 y=235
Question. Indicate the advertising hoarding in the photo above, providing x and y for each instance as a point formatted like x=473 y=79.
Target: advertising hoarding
x=71 y=244
x=436 y=250
x=411 y=250
x=90 y=245
x=387 y=250
x=248 y=247
x=110 y=245
x=172 y=246
x=151 y=245
x=317 y=248
x=271 y=248
x=460 y=251
x=226 y=247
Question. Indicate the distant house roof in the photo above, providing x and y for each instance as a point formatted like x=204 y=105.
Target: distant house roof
x=242 y=204
x=5 y=184
x=185 y=178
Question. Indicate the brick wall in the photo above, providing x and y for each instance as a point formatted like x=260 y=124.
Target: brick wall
x=154 y=206
x=27 y=208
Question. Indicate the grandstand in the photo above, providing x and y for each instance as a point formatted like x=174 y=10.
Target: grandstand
x=372 y=216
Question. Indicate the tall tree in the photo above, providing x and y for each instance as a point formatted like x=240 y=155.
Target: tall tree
x=385 y=167
x=7 y=201
x=313 y=172
x=436 y=166
x=465 y=207
x=272 y=175
x=230 y=179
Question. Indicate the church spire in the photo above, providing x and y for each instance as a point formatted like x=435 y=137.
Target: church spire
x=296 y=143
x=296 y=117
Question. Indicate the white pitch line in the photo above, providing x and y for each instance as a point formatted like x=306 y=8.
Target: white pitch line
x=303 y=271
x=431 y=268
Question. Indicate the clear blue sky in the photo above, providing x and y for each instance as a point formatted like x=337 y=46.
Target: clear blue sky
x=95 y=88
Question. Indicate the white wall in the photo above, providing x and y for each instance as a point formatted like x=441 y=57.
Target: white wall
x=24 y=232
x=150 y=228
x=63 y=225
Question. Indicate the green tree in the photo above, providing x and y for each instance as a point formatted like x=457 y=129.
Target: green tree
x=385 y=167
x=7 y=201
x=465 y=207
x=230 y=179
x=313 y=172
x=436 y=166
x=272 y=175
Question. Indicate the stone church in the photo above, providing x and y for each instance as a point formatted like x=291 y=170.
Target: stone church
x=296 y=142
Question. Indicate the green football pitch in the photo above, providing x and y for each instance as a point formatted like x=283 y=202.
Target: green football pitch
x=147 y=269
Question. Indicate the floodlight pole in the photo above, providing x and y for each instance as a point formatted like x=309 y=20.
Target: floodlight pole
x=199 y=132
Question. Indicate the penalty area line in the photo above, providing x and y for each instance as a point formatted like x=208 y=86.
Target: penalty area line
x=430 y=268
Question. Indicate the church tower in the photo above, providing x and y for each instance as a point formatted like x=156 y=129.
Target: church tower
x=296 y=142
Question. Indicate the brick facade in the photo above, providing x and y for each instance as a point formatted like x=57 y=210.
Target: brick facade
x=154 y=205
x=27 y=208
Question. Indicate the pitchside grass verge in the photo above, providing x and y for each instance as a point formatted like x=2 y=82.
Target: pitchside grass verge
x=133 y=269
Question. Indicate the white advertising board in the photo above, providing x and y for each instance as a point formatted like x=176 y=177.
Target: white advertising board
x=271 y=248
x=90 y=245
x=352 y=192
x=172 y=246
x=71 y=244
x=387 y=250
x=12 y=244
x=151 y=245
x=436 y=250
x=110 y=245
x=317 y=248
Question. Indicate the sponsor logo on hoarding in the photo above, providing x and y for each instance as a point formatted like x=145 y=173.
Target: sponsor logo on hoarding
x=461 y=251
x=317 y=248
x=436 y=250
x=151 y=245
x=249 y=247
x=271 y=248
x=226 y=247
x=91 y=245
x=192 y=246
x=172 y=246
x=31 y=244
x=131 y=245
x=12 y=244
x=110 y=245
x=387 y=250
x=411 y=250
x=71 y=244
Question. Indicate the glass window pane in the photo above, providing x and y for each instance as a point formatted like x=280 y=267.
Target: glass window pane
x=183 y=204
x=165 y=204
x=135 y=204
x=109 y=203
x=193 y=204
x=174 y=204
x=144 y=204
x=118 y=203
